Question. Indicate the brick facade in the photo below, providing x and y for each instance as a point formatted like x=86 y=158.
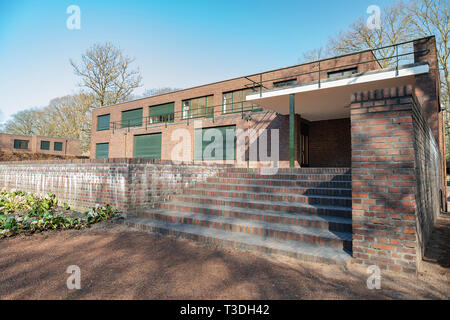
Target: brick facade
x=121 y=141
x=70 y=147
x=330 y=143
x=130 y=185
x=395 y=179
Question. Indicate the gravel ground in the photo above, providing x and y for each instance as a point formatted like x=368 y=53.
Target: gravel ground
x=117 y=262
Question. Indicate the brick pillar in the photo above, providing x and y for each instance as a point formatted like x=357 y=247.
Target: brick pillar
x=427 y=91
x=383 y=179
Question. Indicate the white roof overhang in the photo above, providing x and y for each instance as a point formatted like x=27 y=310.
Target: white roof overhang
x=331 y=99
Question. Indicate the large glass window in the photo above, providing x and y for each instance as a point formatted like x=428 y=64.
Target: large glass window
x=234 y=101
x=198 y=107
x=20 y=144
x=161 y=113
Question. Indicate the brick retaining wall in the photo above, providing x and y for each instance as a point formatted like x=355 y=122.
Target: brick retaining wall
x=129 y=185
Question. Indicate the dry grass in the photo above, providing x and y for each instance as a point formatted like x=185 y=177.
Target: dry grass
x=22 y=156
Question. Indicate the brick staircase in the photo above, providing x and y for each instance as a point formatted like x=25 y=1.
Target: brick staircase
x=303 y=213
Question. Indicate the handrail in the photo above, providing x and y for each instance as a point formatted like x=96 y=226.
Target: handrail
x=186 y=115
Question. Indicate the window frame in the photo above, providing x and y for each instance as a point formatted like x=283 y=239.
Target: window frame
x=96 y=150
x=285 y=83
x=241 y=109
x=19 y=141
x=46 y=142
x=131 y=125
x=59 y=143
x=109 y=122
x=200 y=144
x=341 y=73
x=186 y=111
x=162 y=118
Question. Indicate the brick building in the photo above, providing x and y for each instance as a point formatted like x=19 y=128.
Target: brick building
x=361 y=157
x=320 y=135
x=145 y=128
x=37 y=144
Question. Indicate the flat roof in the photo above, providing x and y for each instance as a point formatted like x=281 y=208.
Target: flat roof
x=268 y=71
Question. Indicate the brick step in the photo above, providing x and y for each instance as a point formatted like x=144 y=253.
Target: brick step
x=282 y=182
x=241 y=240
x=283 y=206
x=249 y=195
x=307 y=220
x=275 y=230
x=295 y=170
x=336 y=192
x=287 y=176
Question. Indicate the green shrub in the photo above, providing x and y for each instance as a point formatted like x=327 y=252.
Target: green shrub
x=22 y=212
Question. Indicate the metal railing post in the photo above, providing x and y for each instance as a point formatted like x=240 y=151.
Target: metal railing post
x=396 y=69
x=319 y=74
x=260 y=85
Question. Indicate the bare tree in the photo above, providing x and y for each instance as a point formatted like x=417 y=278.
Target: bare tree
x=22 y=123
x=401 y=22
x=68 y=117
x=431 y=17
x=64 y=117
x=107 y=73
x=395 y=28
x=314 y=55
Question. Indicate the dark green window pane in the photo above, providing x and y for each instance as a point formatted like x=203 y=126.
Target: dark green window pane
x=58 y=146
x=207 y=137
x=103 y=122
x=45 y=145
x=147 y=146
x=161 y=113
x=20 y=144
x=132 y=118
x=102 y=151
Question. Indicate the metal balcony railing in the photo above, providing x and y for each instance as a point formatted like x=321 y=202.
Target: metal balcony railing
x=392 y=56
x=188 y=115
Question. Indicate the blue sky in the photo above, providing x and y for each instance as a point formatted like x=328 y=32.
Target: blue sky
x=175 y=43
